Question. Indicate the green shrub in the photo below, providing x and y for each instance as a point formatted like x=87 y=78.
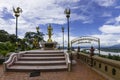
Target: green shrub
x=7 y=46
x=3 y=46
x=4 y=53
x=29 y=48
x=109 y=56
x=104 y=56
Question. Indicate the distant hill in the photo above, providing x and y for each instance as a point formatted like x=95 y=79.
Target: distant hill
x=115 y=46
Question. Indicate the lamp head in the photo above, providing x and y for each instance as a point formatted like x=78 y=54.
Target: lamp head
x=17 y=11
x=67 y=12
x=37 y=28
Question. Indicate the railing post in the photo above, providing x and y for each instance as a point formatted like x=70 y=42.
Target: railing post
x=99 y=46
x=71 y=58
x=69 y=67
x=4 y=67
x=91 y=54
x=78 y=50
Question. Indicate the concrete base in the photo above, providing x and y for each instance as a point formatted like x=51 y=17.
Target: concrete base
x=49 y=45
x=74 y=62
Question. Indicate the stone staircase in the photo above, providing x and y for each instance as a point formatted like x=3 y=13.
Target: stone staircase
x=43 y=61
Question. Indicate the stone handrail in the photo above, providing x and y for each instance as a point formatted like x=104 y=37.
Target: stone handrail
x=110 y=62
x=21 y=53
x=12 y=59
x=68 y=61
x=106 y=67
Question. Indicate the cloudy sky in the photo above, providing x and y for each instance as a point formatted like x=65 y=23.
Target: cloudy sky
x=98 y=18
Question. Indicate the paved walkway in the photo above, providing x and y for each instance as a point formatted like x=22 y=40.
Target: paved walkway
x=80 y=72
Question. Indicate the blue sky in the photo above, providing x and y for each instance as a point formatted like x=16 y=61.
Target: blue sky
x=98 y=18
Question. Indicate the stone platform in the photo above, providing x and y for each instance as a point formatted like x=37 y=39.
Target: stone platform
x=49 y=45
x=46 y=60
x=80 y=71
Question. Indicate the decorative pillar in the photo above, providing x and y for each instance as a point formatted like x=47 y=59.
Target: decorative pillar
x=78 y=50
x=67 y=12
x=91 y=54
x=17 y=12
x=63 y=36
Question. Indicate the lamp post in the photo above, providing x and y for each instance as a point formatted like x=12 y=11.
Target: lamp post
x=38 y=33
x=63 y=36
x=99 y=46
x=37 y=28
x=17 y=12
x=67 y=12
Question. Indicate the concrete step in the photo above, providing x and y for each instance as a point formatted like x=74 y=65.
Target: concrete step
x=41 y=55
x=41 y=68
x=46 y=52
x=31 y=63
x=42 y=58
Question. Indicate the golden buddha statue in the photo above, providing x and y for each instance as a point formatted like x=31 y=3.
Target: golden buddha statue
x=50 y=29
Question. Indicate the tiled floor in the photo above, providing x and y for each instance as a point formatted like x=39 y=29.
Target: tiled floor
x=80 y=72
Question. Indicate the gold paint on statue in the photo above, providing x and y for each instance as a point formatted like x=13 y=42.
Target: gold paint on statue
x=50 y=29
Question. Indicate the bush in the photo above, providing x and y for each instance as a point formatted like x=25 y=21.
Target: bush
x=4 y=53
x=109 y=56
x=1 y=61
x=29 y=48
x=7 y=46
x=2 y=46
x=105 y=56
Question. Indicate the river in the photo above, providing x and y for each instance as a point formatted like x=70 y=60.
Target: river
x=103 y=52
x=107 y=53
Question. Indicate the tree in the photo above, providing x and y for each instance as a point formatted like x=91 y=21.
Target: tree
x=6 y=47
x=12 y=38
x=30 y=36
x=39 y=35
x=4 y=36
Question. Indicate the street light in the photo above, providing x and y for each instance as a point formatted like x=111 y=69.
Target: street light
x=67 y=12
x=17 y=12
x=37 y=28
x=38 y=35
x=63 y=36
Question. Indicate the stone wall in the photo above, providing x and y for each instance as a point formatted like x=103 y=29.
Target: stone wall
x=108 y=67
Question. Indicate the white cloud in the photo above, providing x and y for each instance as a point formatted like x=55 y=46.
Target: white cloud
x=117 y=7
x=88 y=21
x=110 y=21
x=117 y=20
x=42 y=12
x=108 y=39
x=105 y=3
x=35 y=12
x=106 y=14
x=110 y=33
x=114 y=28
x=110 y=29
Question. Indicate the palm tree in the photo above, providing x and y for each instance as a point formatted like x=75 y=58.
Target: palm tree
x=31 y=36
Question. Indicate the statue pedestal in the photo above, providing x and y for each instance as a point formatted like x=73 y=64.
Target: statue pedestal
x=49 y=45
